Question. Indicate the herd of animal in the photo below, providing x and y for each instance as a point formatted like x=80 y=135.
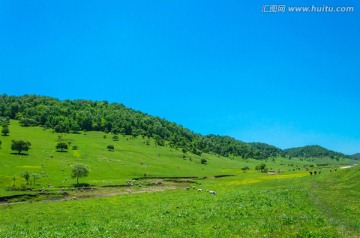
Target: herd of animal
x=200 y=190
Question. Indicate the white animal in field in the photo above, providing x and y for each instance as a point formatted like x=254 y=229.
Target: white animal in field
x=212 y=192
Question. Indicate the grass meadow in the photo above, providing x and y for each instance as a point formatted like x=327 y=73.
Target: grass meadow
x=251 y=204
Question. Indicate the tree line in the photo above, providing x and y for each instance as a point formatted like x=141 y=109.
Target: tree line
x=73 y=116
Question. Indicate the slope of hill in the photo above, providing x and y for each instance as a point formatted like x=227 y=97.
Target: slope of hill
x=72 y=116
x=131 y=157
x=356 y=156
x=267 y=150
x=314 y=151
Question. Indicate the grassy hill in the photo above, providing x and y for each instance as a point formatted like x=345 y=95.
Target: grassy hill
x=74 y=116
x=133 y=157
x=314 y=151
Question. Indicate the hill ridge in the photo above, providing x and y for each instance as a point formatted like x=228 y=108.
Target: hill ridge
x=72 y=116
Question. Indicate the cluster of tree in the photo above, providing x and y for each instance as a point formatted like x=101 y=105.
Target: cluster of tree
x=78 y=171
x=262 y=168
x=268 y=150
x=27 y=176
x=312 y=151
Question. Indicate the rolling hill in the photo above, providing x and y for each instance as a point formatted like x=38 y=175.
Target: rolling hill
x=356 y=156
x=75 y=116
x=314 y=151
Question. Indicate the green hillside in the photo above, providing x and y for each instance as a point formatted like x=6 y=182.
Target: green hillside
x=314 y=151
x=74 y=116
x=356 y=156
x=132 y=157
x=147 y=185
x=287 y=201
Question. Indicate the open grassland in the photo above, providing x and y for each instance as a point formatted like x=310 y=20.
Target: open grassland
x=289 y=207
x=251 y=204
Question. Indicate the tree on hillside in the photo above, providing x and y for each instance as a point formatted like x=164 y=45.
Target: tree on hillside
x=203 y=161
x=20 y=146
x=261 y=167
x=110 y=147
x=26 y=176
x=4 y=121
x=35 y=176
x=115 y=138
x=79 y=171
x=245 y=168
x=62 y=146
x=5 y=130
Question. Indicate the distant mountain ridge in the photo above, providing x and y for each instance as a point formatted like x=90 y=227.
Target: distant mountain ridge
x=356 y=156
x=72 y=116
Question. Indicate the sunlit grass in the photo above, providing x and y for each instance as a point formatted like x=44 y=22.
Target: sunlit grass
x=251 y=204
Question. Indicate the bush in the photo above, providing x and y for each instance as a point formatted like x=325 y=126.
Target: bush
x=110 y=147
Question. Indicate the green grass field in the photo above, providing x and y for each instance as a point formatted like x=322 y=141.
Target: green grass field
x=252 y=204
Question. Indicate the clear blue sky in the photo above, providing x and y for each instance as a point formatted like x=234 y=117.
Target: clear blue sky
x=219 y=67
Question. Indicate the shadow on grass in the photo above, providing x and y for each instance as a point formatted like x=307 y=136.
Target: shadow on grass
x=62 y=151
x=22 y=154
x=81 y=185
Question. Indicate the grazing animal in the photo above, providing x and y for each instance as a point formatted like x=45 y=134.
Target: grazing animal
x=212 y=192
x=187 y=188
x=199 y=190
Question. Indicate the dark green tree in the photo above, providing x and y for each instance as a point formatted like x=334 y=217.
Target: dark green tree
x=110 y=147
x=5 y=130
x=62 y=146
x=20 y=146
x=245 y=168
x=79 y=171
x=261 y=167
x=75 y=147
